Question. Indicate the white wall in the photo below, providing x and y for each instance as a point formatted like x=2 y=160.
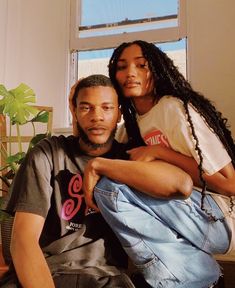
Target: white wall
x=212 y=52
x=34 y=49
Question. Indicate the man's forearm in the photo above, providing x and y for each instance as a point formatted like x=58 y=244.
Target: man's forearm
x=30 y=264
x=31 y=268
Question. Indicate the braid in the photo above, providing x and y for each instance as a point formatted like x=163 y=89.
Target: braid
x=198 y=150
x=169 y=81
x=131 y=125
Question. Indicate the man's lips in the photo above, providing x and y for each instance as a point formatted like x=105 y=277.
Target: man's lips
x=96 y=130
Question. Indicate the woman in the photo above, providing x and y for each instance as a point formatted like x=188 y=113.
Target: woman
x=171 y=242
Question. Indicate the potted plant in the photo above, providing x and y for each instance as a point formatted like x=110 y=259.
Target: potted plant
x=17 y=108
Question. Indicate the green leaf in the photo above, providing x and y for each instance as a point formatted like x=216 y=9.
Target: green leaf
x=3 y=91
x=3 y=215
x=4 y=167
x=16 y=103
x=1 y=109
x=36 y=139
x=16 y=158
x=42 y=117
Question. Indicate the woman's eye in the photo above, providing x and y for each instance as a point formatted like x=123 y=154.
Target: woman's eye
x=119 y=68
x=142 y=65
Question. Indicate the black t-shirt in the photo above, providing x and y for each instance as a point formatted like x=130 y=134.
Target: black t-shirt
x=74 y=238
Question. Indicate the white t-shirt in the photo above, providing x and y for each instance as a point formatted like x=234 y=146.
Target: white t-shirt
x=166 y=124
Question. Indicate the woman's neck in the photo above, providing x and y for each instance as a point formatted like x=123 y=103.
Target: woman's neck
x=143 y=104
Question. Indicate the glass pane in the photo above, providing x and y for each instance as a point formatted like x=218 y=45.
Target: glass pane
x=92 y=62
x=122 y=16
x=177 y=52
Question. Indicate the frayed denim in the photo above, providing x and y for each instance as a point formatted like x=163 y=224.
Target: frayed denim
x=170 y=242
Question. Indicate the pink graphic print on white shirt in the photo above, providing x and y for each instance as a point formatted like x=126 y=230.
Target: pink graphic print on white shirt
x=156 y=137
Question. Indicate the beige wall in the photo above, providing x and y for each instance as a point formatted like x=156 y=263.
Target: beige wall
x=34 y=37
x=211 y=40
x=34 y=49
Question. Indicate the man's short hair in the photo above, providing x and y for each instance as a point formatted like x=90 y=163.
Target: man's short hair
x=91 y=81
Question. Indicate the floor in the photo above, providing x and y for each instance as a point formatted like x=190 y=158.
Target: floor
x=229 y=273
x=227 y=266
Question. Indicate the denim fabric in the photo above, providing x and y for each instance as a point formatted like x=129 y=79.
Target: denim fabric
x=169 y=241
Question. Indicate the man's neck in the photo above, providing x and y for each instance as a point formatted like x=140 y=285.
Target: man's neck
x=95 y=152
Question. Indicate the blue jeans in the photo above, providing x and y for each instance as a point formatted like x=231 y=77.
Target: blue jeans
x=170 y=242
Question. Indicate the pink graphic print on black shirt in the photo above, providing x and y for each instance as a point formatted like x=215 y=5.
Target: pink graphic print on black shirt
x=71 y=206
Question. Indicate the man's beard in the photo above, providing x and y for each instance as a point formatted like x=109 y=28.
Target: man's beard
x=83 y=136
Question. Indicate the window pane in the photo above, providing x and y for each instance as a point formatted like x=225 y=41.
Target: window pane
x=177 y=52
x=92 y=62
x=122 y=16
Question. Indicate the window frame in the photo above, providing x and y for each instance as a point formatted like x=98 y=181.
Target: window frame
x=158 y=35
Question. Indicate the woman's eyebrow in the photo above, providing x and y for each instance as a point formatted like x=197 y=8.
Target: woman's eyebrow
x=135 y=58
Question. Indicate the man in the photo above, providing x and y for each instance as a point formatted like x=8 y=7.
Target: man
x=56 y=240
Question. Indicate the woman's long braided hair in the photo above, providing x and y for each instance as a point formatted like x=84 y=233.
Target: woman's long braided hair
x=169 y=81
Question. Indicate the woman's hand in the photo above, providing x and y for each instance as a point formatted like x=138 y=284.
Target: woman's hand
x=90 y=179
x=144 y=153
x=72 y=108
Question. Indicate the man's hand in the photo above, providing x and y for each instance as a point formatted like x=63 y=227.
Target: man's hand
x=90 y=179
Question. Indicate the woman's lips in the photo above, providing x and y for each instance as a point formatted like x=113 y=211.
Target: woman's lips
x=131 y=84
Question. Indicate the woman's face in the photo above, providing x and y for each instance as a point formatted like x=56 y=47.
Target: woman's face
x=133 y=73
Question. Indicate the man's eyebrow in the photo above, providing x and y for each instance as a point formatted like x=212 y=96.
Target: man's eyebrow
x=85 y=102
x=89 y=103
x=107 y=103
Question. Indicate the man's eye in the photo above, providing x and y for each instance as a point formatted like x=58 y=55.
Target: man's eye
x=84 y=108
x=108 y=108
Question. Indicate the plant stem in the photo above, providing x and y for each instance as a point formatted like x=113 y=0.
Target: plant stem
x=19 y=137
x=10 y=138
x=3 y=151
x=6 y=181
x=34 y=130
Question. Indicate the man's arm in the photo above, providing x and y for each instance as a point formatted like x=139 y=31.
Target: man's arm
x=29 y=261
x=156 y=178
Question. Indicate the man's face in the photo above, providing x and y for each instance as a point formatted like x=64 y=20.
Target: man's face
x=97 y=115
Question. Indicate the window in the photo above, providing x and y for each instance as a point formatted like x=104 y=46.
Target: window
x=96 y=61
x=102 y=24
x=97 y=26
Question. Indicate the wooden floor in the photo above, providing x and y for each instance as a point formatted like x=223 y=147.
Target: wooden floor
x=227 y=266
x=229 y=273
